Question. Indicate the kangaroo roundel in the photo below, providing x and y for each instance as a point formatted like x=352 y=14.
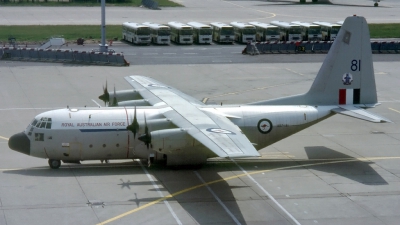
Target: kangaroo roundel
x=264 y=126
x=347 y=78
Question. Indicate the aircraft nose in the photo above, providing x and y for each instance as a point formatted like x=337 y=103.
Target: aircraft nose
x=20 y=143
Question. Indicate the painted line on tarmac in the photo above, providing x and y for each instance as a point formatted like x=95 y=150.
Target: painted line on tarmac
x=257 y=10
x=294 y=72
x=160 y=193
x=267 y=193
x=395 y=110
x=235 y=177
x=96 y=103
x=218 y=199
x=4 y=138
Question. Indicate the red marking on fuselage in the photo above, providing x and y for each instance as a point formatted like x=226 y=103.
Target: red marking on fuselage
x=264 y=126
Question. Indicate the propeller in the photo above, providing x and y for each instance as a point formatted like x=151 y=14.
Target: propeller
x=115 y=102
x=134 y=126
x=146 y=137
x=105 y=97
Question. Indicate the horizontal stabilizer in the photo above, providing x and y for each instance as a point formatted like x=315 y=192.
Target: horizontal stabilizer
x=351 y=110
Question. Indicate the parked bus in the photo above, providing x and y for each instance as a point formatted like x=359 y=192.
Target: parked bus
x=222 y=33
x=266 y=32
x=309 y=31
x=160 y=33
x=329 y=30
x=289 y=31
x=136 y=33
x=181 y=33
x=244 y=32
x=202 y=33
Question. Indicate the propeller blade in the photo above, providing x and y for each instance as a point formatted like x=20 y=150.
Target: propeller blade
x=105 y=97
x=115 y=102
x=146 y=137
x=134 y=126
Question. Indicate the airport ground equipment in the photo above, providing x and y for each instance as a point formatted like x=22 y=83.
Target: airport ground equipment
x=160 y=33
x=151 y=4
x=310 y=31
x=266 y=32
x=202 y=33
x=136 y=33
x=288 y=31
x=329 y=31
x=244 y=32
x=222 y=33
x=181 y=33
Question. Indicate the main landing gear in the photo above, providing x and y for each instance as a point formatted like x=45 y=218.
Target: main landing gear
x=54 y=163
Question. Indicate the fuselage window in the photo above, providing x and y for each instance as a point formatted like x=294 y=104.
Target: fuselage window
x=39 y=137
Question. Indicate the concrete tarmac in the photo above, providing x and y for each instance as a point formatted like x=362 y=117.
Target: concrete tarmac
x=340 y=171
x=206 y=11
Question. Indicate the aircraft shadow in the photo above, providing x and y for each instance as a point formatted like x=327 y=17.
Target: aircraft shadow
x=356 y=170
x=308 y=3
x=200 y=203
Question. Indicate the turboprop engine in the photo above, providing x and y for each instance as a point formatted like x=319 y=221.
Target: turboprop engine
x=178 y=146
x=122 y=98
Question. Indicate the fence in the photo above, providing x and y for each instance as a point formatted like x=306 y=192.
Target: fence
x=312 y=47
x=65 y=56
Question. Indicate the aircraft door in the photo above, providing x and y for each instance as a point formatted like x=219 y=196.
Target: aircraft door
x=74 y=151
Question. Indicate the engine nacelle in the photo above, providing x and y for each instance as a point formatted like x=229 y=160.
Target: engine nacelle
x=170 y=141
x=125 y=95
x=140 y=102
x=180 y=148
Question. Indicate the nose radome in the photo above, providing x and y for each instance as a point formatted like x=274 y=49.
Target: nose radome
x=20 y=143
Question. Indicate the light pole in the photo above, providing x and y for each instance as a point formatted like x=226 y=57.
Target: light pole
x=103 y=45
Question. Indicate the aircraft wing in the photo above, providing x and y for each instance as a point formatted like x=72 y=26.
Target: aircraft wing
x=144 y=85
x=214 y=131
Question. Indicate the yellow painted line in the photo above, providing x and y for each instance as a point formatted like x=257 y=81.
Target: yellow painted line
x=294 y=72
x=257 y=10
x=4 y=138
x=395 y=110
x=234 y=177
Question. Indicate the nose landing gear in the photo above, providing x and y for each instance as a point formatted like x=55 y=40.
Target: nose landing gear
x=54 y=163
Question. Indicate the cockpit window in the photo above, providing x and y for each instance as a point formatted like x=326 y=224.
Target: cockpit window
x=44 y=122
x=34 y=122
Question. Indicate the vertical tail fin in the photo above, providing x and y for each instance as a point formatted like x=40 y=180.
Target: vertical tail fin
x=346 y=76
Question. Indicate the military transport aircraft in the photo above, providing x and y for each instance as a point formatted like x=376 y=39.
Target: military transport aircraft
x=157 y=122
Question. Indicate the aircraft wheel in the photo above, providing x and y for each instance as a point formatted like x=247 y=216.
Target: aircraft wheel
x=54 y=163
x=302 y=1
x=376 y=4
